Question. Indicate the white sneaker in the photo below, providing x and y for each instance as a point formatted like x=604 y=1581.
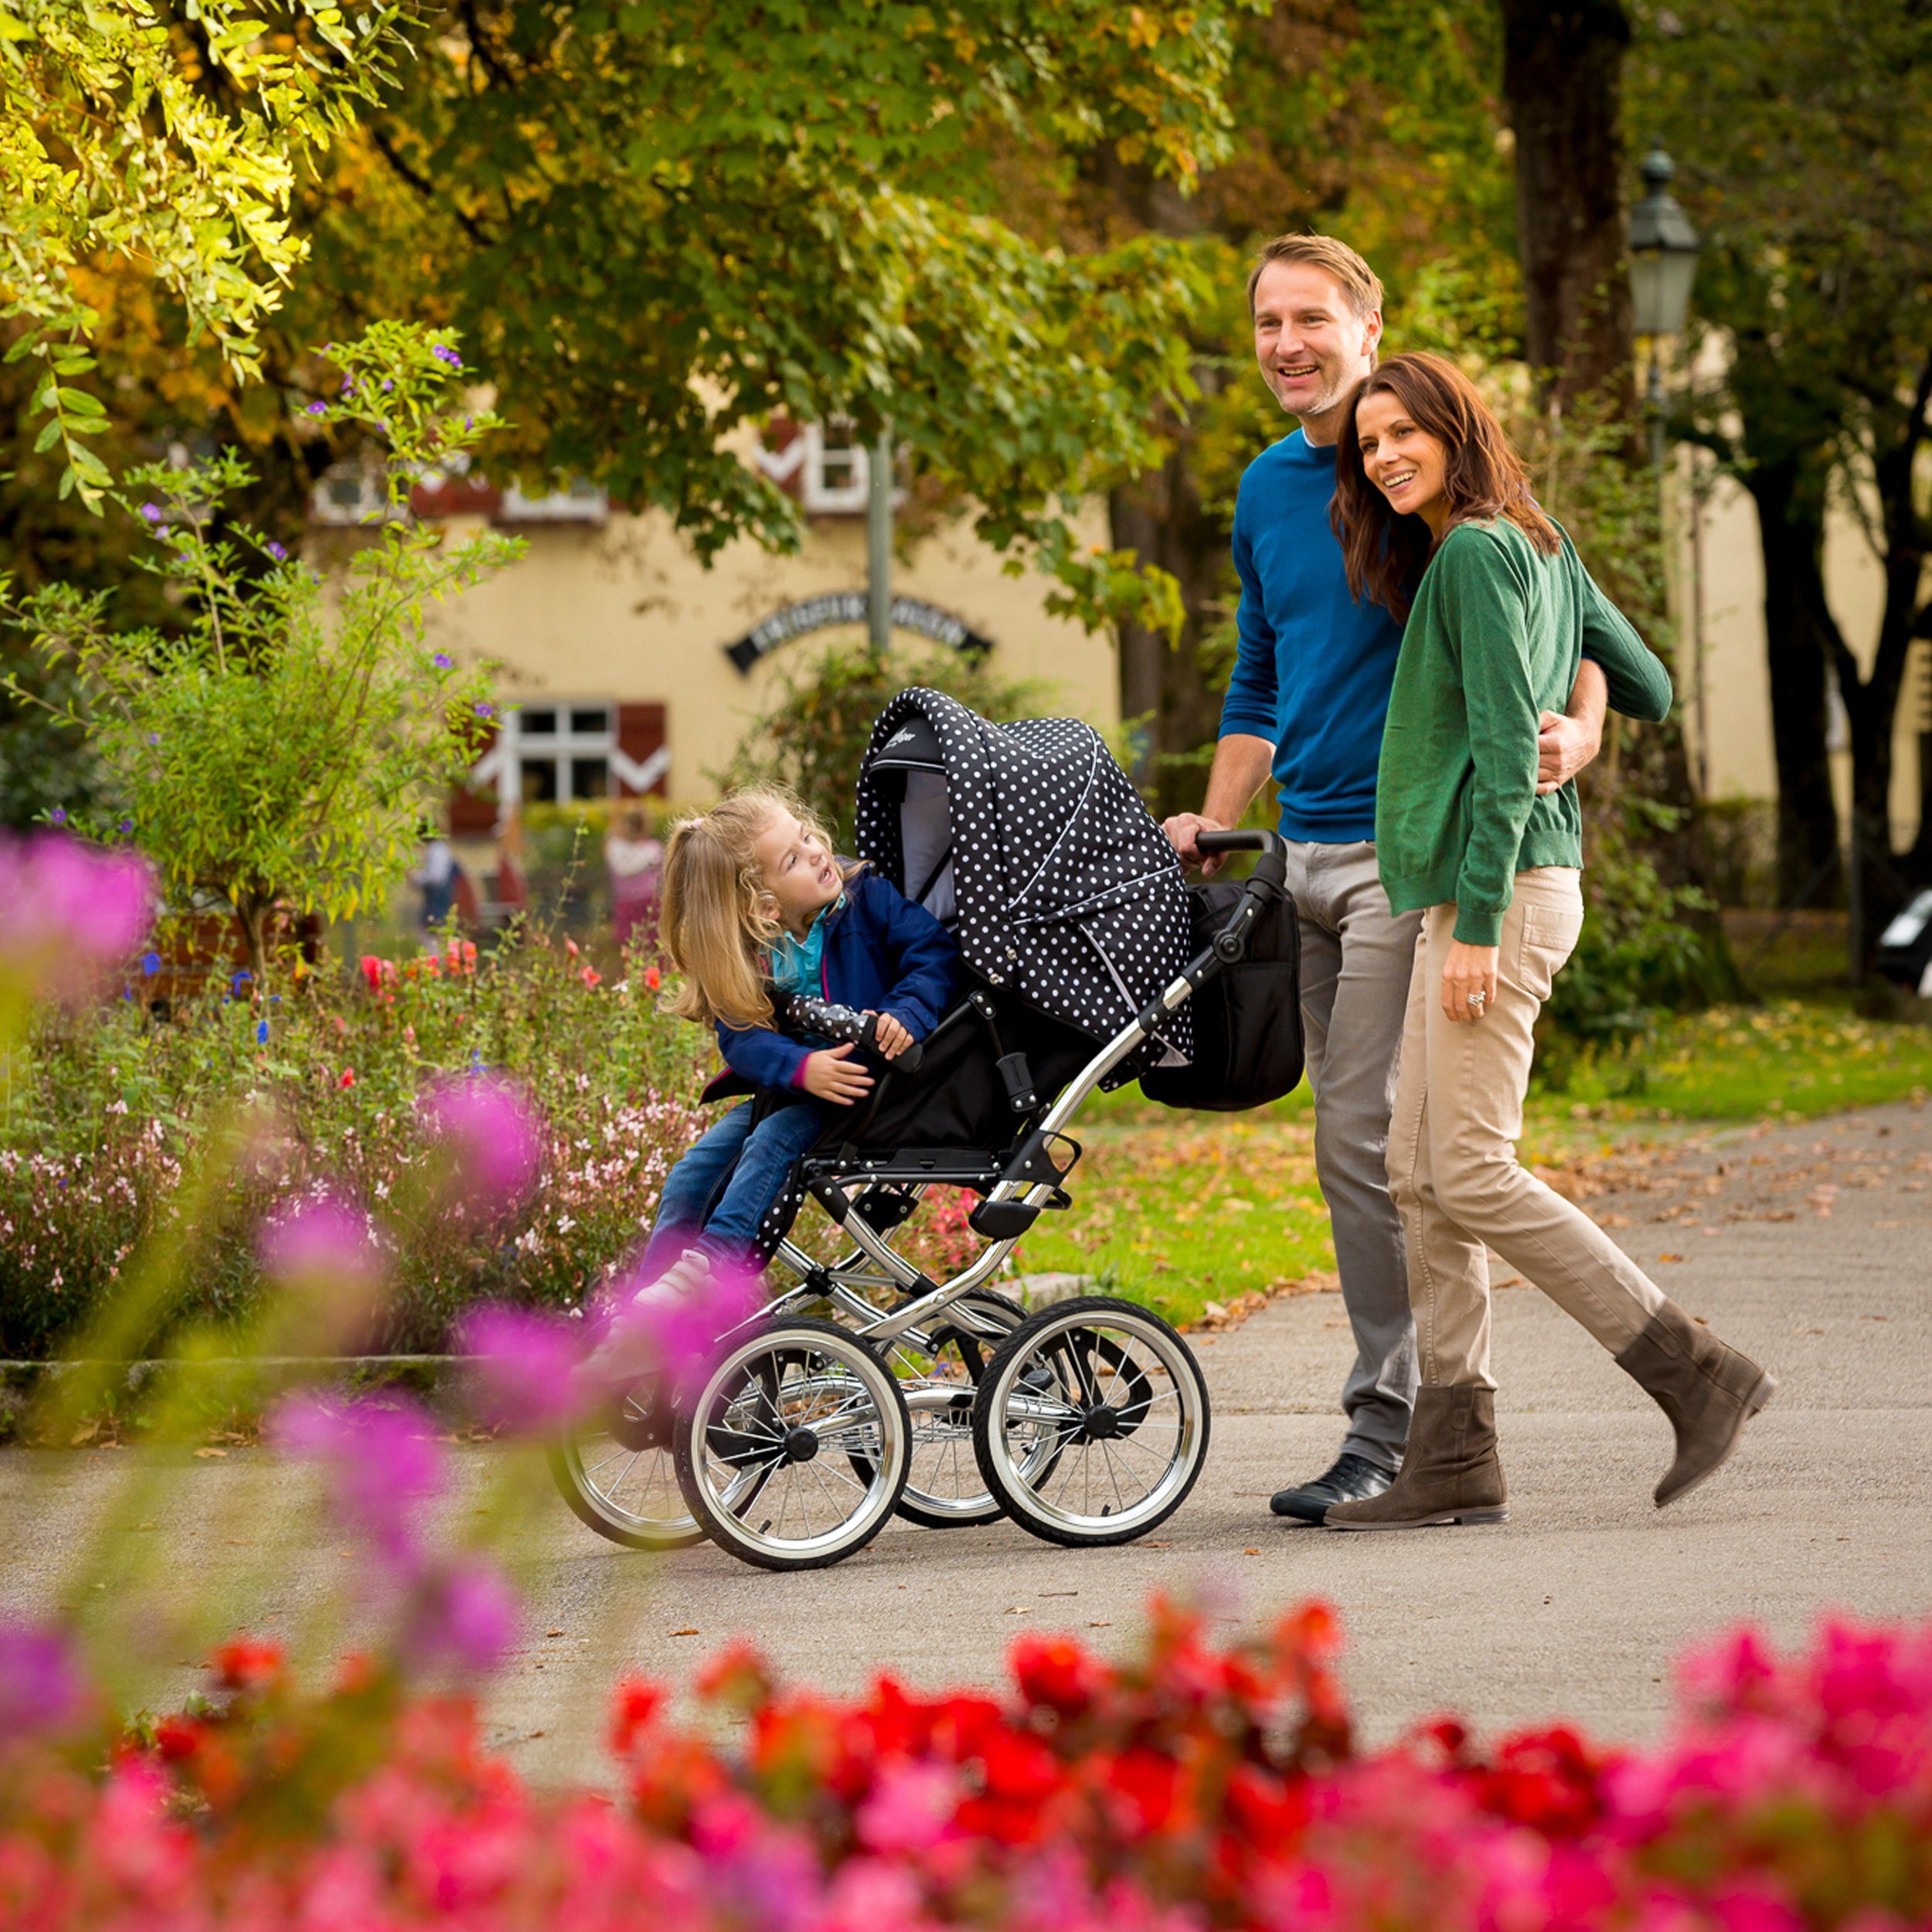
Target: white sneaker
x=630 y=1349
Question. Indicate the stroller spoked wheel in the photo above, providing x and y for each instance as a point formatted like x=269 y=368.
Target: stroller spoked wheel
x=795 y=1448
x=940 y=1370
x=1092 y=1422
x=619 y=1476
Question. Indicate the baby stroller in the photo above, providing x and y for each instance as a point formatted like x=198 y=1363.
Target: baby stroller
x=1089 y=963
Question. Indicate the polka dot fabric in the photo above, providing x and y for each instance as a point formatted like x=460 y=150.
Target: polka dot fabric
x=1069 y=894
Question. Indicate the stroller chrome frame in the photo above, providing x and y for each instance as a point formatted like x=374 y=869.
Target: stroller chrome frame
x=1090 y=1371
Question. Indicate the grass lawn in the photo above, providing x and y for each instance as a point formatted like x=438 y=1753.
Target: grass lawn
x=1183 y=1210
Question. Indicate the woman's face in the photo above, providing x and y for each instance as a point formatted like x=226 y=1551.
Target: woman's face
x=799 y=871
x=1403 y=461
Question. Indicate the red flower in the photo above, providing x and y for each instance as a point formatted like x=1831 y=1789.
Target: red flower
x=247 y=1664
x=570 y=947
x=375 y=970
x=633 y=1709
x=591 y=977
x=347 y=1077
x=653 y=978
x=1056 y=1673
x=178 y=1739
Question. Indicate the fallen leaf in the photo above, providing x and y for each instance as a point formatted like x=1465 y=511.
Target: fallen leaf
x=553 y=1632
x=1018 y=1610
x=204 y=1454
x=1101 y=1623
x=1250 y=1553
x=1670 y=1257
x=684 y=1633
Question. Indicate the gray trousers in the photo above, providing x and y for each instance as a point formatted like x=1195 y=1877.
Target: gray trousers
x=1357 y=959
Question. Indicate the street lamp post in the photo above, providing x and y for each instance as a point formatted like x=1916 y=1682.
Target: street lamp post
x=1664 y=248
x=878 y=543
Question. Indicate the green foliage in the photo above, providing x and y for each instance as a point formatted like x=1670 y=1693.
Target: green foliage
x=662 y=225
x=813 y=737
x=280 y=746
x=126 y=131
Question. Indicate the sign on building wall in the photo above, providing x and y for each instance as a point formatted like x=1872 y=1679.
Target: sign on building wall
x=837 y=609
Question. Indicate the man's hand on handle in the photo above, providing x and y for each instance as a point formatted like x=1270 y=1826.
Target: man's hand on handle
x=1180 y=830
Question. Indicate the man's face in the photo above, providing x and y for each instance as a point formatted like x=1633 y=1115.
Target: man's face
x=1312 y=347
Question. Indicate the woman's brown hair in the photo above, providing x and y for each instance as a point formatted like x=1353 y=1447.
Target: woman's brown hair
x=1385 y=553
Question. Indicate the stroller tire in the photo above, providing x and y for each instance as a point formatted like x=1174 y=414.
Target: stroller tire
x=793 y=1451
x=943 y=1489
x=1092 y=1423
x=620 y=1477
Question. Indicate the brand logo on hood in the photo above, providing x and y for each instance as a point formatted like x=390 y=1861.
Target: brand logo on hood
x=898 y=737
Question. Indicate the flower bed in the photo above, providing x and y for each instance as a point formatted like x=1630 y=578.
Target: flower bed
x=1187 y=1788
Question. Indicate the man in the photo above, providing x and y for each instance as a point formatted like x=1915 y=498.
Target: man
x=1306 y=706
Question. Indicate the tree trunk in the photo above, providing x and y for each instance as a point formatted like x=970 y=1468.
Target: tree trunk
x=1159 y=516
x=1799 y=633
x=1563 y=85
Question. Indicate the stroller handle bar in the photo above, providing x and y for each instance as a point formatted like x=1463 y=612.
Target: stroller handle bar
x=1271 y=845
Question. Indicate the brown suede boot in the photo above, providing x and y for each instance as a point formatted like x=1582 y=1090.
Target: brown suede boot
x=1450 y=1471
x=1709 y=1390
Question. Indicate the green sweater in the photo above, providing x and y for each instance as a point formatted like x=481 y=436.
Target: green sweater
x=1495 y=637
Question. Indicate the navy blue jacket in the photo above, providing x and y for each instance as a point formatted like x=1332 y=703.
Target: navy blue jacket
x=883 y=953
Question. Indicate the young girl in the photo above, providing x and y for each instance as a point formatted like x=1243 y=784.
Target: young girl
x=755 y=901
x=1438 y=521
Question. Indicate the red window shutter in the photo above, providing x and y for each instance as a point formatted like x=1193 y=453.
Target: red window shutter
x=640 y=734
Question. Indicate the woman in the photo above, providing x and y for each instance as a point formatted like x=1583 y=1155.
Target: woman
x=635 y=860
x=1436 y=521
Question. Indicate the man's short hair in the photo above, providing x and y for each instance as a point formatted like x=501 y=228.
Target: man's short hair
x=1358 y=281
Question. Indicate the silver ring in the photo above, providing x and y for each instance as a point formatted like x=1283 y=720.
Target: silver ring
x=1479 y=1000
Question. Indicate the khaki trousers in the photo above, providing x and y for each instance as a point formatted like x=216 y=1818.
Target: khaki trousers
x=1453 y=1170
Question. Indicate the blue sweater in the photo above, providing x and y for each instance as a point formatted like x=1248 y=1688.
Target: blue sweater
x=1315 y=667
x=882 y=953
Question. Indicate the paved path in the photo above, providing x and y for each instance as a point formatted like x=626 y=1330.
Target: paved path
x=1811 y=1246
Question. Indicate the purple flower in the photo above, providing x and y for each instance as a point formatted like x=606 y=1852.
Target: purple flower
x=261 y=1033
x=152 y=512
x=58 y=816
x=153 y=737
x=243 y=978
x=387 y=385
x=151 y=964
x=126 y=826
x=71 y=910
x=348 y=384
x=680 y=1334
x=462 y=1615
x=442 y=660
x=41 y=1686
x=277 y=552
x=316 y=409
x=491 y=1134
x=468 y=422
x=324 y=1239
x=443 y=353
x=379 y=1461
x=486 y=711
x=522 y=1372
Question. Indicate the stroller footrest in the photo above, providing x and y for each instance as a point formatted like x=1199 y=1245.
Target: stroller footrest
x=1003 y=1220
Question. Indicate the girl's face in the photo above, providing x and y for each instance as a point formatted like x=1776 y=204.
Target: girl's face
x=798 y=871
x=1403 y=461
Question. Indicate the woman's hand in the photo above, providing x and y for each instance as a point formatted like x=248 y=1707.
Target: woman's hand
x=890 y=1036
x=1469 y=979
x=831 y=1075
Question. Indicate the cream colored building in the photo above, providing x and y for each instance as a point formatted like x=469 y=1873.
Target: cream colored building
x=629 y=667
x=1719 y=600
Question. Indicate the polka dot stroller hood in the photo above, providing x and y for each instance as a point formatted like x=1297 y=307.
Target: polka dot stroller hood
x=1030 y=842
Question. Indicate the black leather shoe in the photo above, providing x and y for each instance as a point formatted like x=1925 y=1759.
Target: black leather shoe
x=1353 y=1479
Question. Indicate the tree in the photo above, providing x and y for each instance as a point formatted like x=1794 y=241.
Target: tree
x=1562 y=82
x=659 y=226
x=1812 y=182
x=280 y=746
x=129 y=129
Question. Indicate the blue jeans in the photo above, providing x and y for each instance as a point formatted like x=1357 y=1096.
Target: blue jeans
x=719 y=1193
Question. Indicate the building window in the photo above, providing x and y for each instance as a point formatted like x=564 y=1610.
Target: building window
x=563 y=752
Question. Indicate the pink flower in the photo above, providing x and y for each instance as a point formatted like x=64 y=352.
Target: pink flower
x=324 y=1239
x=380 y=1460
x=492 y=1134
x=41 y=1687
x=72 y=909
x=347 y=1079
x=522 y=1369
x=462 y=1616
